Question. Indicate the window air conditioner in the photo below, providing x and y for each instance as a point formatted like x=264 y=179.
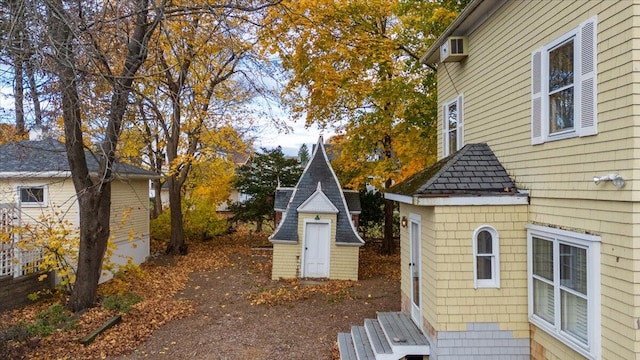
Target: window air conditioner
x=454 y=49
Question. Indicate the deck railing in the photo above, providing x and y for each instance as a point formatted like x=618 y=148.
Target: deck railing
x=15 y=261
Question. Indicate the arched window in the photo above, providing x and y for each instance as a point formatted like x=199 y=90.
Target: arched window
x=486 y=258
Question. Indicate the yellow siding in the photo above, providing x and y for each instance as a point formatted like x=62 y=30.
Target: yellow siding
x=286 y=261
x=449 y=300
x=559 y=174
x=344 y=262
x=60 y=197
x=130 y=220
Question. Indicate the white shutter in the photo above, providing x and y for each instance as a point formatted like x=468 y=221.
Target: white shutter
x=537 y=136
x=445 y=130
x=460 y=134
x=588 y=78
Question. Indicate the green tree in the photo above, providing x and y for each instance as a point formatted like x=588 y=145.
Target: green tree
x=303 y=155
x=259 y=179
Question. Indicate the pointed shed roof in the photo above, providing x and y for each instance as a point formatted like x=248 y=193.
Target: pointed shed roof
x=473 y=173
x=318 y=176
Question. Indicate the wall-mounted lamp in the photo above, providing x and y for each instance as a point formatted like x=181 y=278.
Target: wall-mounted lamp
x=615 y=179
x=317 y=217
x=403 y=222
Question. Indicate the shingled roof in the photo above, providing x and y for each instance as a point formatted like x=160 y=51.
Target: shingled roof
x=474 y=170
x=318 y=171
x=283 y=195
x=36 y=157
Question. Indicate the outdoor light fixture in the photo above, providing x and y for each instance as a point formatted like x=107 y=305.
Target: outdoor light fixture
x=615 y=179
x=403 y=222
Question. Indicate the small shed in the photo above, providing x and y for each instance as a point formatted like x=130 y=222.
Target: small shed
x=316 y=234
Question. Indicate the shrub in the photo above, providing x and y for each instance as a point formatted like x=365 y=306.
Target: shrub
x=48 y=320
x=121 y=302
x=200 y=222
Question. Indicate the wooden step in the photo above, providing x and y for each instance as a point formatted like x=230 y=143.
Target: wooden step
x=361 y=343
x=345 y=345
x=403 y=335
x=377 y=338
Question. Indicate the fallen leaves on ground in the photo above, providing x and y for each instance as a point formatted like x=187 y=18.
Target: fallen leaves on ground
x=158 y=281
x=295 y=290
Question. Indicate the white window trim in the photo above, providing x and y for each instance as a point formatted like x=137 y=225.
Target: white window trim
x=591 y=350
x=585 y=85
x=494 y=282
x=45 y=196
x=445 y=133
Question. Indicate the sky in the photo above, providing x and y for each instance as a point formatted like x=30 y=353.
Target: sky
x=269 y=138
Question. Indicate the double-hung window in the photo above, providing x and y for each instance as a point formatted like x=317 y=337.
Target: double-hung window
x=486 y=258
x=564 y=286
x=563 y=86
x=33 y=196
x=452 y=132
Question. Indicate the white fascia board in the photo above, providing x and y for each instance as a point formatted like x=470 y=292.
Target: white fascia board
x=66 y=174
x=399 y=198
x=349 y=244
x=35 y=174
x=471 y=200
x=286 y=242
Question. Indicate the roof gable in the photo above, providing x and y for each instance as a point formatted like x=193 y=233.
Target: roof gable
x=319 y=203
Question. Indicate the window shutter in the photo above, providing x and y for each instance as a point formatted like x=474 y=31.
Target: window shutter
x=460 y=123
x=588 y=78
x=537 y=136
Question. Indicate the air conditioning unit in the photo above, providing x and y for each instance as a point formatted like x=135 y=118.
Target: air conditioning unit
x=454 y=49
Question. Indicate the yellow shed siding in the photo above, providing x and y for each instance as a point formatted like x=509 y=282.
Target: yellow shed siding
x=559 y=174
x=286 y=261
x=344 y=262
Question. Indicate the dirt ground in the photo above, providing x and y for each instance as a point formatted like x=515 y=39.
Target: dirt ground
x=233 y=321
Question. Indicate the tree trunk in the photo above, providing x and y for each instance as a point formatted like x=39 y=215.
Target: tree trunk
x=18 y=93
x=156 y=210
x=94 y=193
x=387 y=242
x=177 y=245
x=94 y=232
x=33 y=90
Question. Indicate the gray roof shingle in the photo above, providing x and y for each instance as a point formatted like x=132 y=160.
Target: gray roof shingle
x=473 y=170
x=318 y=170
x=48 y=155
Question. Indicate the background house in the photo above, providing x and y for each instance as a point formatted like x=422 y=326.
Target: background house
x=316 y=235
x=35 y=181
x=548 y=88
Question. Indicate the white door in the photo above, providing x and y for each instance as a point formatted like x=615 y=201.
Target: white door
x=416 y=279
x=316 y=250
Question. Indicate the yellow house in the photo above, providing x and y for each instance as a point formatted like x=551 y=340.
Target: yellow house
x=316 y=233
x=548 y=87
x=35 y=183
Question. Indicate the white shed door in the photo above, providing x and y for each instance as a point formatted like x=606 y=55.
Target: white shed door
x=316 y=250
